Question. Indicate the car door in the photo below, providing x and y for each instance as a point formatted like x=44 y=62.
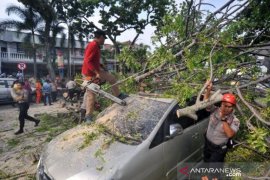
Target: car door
x=148 y=164
x=9 y=87
x=3 y=90
x=181 y=148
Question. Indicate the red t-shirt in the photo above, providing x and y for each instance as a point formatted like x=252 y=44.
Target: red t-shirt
x=91 y=59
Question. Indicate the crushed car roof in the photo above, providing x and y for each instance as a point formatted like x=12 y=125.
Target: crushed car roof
x=136 y=120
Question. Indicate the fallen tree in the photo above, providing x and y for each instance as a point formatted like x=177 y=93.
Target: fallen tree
x=222 y=46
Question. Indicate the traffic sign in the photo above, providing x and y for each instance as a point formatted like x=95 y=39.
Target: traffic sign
x=21 y=66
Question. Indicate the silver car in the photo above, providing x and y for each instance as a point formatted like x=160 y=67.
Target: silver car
x=5 y=87
x=143 y=140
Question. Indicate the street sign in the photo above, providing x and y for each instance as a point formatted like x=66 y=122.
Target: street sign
x=21 y=66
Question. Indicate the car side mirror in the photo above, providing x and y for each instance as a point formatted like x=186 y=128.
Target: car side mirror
x=175 y=129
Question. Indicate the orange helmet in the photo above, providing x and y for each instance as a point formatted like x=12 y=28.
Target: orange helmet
x=230 y=98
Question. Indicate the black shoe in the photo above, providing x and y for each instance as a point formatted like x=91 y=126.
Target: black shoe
x=37 y=122
x=20 y=131
x=50 y=104
x=122 y=96
x=83 y=112
x=45 y=104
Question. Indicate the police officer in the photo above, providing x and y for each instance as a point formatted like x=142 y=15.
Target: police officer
x=20 y=95
x=222 y=126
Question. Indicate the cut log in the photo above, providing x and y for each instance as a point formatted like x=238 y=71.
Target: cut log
x=190 y=111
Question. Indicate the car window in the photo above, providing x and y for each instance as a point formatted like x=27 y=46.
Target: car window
x=184 y=121
x=202 y=114
x=164 y=130
x=159 y=137
x=2 y=84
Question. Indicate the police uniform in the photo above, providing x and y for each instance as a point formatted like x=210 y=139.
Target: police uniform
x=215 y=148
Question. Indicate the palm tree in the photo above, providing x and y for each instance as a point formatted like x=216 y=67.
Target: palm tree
x=30 y=21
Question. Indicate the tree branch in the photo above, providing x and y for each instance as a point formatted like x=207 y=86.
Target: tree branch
x=256 y=114
x=213 y=14
x=190 y=111
x=211 y=73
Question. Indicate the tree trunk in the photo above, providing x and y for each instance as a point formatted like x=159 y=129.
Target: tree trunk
x=34 y=55
x=117 y=51
x=69 y=54
x=47 y=50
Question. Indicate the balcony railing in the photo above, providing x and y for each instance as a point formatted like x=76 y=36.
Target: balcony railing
x=10 y=57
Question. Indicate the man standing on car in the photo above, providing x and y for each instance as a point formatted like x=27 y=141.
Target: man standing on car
x=222 y=126
x=92 y=69
x=20 y=95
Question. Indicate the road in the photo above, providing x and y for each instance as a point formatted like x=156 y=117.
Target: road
x=19 y=154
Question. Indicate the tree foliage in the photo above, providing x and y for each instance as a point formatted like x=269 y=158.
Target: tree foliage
x=220 y=46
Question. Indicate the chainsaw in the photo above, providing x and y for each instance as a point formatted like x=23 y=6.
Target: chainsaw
x=94 y=86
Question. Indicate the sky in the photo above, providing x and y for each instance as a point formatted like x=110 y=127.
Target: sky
x=145 y=38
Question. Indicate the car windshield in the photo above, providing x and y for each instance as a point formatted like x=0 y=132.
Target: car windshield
x=133 y=123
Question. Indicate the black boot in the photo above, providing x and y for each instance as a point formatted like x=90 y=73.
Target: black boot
x=122 y=96
x=83 y=112
x=37 y=122
x=20 y=131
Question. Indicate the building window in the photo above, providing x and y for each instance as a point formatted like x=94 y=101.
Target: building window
x=82 y=52
x=3 y=49
x=19 y=48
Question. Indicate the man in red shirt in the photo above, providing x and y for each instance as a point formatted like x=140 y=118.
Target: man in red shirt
x=92 y=69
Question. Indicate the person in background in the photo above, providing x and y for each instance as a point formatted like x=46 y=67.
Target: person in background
x=19 y=76
x=46 y=91
x=63 y=84
x=38 y=91
x=71 y=85
x=42 y=80
x=27 y=87
x=20 y=95
x=54 y=91
x=57 y=81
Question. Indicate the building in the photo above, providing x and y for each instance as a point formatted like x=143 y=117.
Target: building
x=13 y=51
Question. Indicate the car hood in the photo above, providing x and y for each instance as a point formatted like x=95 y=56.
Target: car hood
x=72 y=155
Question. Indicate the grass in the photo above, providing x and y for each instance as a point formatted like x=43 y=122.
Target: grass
x=4 y=175
x=88 y=139
x=99 y=154
x=13 y=142
x=54 y=125
x=107 y=142
x=132 y=115
x=99 y=168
